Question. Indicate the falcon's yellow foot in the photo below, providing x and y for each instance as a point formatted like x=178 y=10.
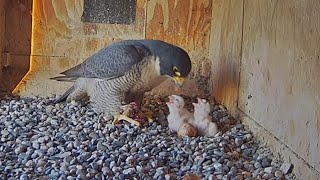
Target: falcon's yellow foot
x=117 y=118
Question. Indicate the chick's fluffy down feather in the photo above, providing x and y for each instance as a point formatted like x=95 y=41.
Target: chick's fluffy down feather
x=202 y=119
x=178 y=115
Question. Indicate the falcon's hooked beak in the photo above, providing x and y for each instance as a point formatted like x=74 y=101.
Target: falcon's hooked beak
x=179 y=80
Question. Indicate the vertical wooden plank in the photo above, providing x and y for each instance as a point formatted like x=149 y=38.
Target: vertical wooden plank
x=2 y=25
x=17 y=42
x=2 y=44
x=18 y=27
x=225 y=51
x=279 y=85
x=185 y=23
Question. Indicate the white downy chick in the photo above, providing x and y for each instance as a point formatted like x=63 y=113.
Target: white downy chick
x=178 y=115
x=202 y=120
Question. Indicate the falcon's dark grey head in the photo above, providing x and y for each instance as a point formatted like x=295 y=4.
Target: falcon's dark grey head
x=173 y=61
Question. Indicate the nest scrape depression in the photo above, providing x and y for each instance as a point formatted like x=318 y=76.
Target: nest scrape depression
x=41 y=140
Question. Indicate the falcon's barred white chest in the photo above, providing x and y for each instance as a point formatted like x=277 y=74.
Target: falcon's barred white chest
x=150 y=76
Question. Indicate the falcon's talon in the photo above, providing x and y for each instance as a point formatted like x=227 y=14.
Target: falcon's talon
x=126 y=118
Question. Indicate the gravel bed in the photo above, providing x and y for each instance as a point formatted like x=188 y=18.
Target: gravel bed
x=41 y=140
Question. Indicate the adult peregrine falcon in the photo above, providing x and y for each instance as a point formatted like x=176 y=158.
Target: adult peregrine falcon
x=123 y=72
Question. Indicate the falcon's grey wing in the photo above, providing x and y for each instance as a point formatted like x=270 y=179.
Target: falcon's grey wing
x=110 y=62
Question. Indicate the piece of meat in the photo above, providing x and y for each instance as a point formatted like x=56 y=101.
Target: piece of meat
x=133 y=110
x=187 y=130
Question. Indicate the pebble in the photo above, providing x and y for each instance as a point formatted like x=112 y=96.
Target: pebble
x=269 y=170
x=24 y=177
x=238 y=141
x=267 y=176
x=63 y=141
x=286 y=168
x=129 y=171
x=278 y=174
x=257 y=165
x=265 y=163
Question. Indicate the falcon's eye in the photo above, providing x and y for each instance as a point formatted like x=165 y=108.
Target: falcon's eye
x=176 y=71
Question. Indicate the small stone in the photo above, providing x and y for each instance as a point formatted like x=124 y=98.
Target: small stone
x=159 y=173
x=105 y=170
x=207 y=162
x=130 y=160
x=41 y=162
x=24 y=177
x=163 y=154
x=41 y=140
x=191 y=176
x=257 y=165
x=248 y=137
x=238 y=142
x=269 y=170
x=247 y=152
x=233 y=172
x=248 y=167
x=35 y=145
x=128 y=171
x=133 y=150
x=265 y=163
x=30 y=163
x=267 y=176
x=218 y=167
x=50 y=151
x=286 y=168
x=278 y=174
x=5 y=133
x=246 y=174
x=101 y=147
x=168 y=177
x=112 y=164
x=238 y=177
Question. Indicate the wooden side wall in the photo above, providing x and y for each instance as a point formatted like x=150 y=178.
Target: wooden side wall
x=225 y=51
x=2 y=43
x=275 y=47
x=16 y=24
x=280 y=77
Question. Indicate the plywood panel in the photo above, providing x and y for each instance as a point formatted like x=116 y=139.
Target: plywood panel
x=2 y=25
x=279 y=86
x=185 y=23
x=225 y=51
x=59 y=31
x=12 y=74
x=37 y=81
x=2 y=44
x=18 y=27
x=16 y=42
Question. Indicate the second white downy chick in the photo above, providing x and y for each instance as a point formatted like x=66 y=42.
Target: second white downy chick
x=178 y=115
x=202 y=120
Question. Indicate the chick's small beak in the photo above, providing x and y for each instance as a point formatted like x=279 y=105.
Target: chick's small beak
x=179 y=80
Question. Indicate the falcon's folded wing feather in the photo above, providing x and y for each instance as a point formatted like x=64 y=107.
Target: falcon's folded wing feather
x=110 y=62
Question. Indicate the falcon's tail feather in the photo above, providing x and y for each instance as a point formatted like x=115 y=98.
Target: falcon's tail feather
x=64 y=78
x=65 y=95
